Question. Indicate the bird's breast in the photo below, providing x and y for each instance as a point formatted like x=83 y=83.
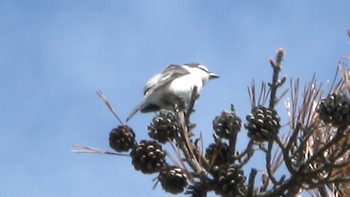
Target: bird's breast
x=181 y=88
x=184 y=85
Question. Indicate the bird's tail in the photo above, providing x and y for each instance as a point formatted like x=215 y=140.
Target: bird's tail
x=134 y=111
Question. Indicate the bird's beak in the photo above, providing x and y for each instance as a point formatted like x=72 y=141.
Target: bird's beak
x=213 y=76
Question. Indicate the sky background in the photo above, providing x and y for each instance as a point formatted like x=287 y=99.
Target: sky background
x=54 y=55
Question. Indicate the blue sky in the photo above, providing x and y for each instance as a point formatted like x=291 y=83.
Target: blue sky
x=54 y=55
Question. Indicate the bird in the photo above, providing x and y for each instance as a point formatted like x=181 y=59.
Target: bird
x=174 y=84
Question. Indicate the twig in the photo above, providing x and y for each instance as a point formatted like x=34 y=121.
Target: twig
x=105 y=100
x=233 y=139
x=325 y=147
x=276 y=65
x=85 y=149
x=251 y=182
x=185 y=144
x=252 y=93
x=268 y=163
x=194 y=97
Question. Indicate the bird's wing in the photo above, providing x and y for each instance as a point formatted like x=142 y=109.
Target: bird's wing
x=151 y=83
x=169 y=74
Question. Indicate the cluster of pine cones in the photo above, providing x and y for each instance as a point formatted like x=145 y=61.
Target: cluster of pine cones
x=226 y=178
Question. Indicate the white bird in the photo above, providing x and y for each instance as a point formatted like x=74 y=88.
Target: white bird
x=174 y=84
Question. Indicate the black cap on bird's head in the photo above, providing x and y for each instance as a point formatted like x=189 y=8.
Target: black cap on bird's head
x=202 y=67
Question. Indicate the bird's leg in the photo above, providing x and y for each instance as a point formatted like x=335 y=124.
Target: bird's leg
x=181 y=103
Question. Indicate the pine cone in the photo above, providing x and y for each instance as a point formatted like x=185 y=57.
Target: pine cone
x=164 y=127
x=172 y=179
x=148 y=157
x=122 y=138
x=335 y=109
x=227 y=124
x=263 y=123
x=229 y=181
x=196 y=191
x=218 y=154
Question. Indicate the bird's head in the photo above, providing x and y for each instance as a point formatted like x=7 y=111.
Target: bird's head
x=202 y=71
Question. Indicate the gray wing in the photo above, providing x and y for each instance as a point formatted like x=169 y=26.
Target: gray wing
x=151 y=83
x=170 y=73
